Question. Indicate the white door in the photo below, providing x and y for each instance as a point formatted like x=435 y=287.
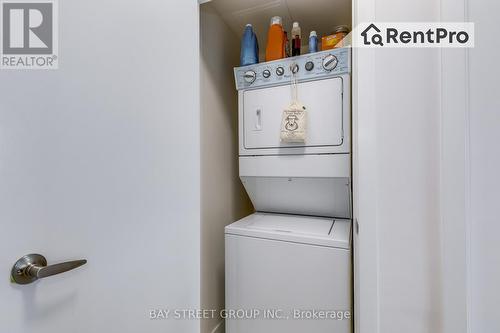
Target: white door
x=99 y=160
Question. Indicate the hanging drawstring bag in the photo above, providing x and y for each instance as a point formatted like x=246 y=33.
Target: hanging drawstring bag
x=294 y=118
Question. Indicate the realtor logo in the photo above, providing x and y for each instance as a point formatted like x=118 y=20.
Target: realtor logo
x=29 y=34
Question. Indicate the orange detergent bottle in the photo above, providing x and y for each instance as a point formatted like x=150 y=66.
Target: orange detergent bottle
x=275 y=40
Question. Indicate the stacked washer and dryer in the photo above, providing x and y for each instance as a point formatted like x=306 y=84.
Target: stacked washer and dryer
x=290 y=262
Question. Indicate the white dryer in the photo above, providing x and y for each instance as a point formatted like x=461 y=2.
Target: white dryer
x=295 y=252
x=311 y=178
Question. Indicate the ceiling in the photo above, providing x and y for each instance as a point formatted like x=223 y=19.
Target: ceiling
x=319 y=15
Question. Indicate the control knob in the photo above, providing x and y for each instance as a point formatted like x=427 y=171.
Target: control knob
x=330 y=62
x=309 y=66
x=294 y=68
x=250 y=76
x=266 y=73
x=280 y=71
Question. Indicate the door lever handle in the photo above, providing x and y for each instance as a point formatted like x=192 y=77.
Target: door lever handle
x=32 y=267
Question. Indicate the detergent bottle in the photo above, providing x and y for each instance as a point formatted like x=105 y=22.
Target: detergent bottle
x=275 y=40
x=249 y=47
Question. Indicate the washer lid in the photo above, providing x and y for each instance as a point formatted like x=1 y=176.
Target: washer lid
x=295 y=228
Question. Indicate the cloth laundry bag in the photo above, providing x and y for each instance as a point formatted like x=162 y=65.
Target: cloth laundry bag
x=294 y=124
x=294 y=119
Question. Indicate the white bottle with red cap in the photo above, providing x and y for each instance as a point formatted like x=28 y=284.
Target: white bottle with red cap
x=296 y=39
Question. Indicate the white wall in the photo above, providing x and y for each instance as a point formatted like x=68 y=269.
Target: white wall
x=484 y=166
x=470 y=131
x=223 y=198
x=397 y=178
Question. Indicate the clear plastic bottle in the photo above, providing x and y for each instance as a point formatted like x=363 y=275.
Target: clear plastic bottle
x=249 y=47
x=296 y=39
x=275 y=40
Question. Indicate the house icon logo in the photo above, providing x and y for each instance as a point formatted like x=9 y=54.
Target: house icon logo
x=371 y=35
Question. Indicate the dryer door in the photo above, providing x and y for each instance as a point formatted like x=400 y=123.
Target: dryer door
x=263 y=108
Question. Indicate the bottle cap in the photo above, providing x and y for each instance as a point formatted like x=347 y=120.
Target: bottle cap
x=295 y=24
x=313 y=33
x=276 y=20
x=248 y=25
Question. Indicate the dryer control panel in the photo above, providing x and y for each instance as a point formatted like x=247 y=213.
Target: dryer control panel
x=311 y=66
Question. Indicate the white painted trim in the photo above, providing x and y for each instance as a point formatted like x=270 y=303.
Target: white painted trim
x=468 y=219
x=454 y=175
x=468 y=181
x=365 y=181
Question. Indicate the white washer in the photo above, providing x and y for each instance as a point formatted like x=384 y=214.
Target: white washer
x=279 y=264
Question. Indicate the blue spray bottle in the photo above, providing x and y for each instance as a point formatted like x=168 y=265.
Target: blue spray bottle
x=313 y=42
x=249 y=47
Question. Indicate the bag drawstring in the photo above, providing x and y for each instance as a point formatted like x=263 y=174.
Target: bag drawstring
x=294 y=117
x=293 y=85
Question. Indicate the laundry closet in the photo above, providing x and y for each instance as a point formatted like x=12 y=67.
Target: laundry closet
x=277 y=231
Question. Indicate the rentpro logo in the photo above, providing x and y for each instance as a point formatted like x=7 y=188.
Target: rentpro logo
x=434 y=34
